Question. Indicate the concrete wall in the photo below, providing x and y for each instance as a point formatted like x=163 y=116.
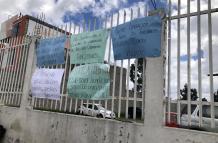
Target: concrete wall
x=25 y=125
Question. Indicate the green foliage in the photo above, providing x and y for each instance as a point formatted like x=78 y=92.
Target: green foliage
x=139 y=73
x=184 y=93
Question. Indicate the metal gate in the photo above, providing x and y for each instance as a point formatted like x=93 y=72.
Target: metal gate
x=191 y=58
x=13 y=59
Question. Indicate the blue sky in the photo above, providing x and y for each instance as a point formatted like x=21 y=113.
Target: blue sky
x=90 y=10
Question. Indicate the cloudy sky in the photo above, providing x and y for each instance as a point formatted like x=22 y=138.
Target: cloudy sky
x=59 y=12
x=194 y=54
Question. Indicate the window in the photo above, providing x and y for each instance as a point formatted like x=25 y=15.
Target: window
x=95 y=107
x=90 y=106
x=206 y=111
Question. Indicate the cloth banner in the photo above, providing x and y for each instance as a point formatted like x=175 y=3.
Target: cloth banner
x=90 y=81
x=88 y=47
x=46 y=83
x=51 y=51
x=137 y=39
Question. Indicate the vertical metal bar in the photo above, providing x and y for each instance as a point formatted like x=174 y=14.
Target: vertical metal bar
x=127 y=88
x=94 y=28
x=47 y=35
x=56 y=66
x=136 y=82
x=68 y=48
x=169 y=63
x=80 y=31
x=105 y=26
x=199 y=61
x=18 y=69
x=189 y=63
x=60 y=66
x=178 y=64
x=120 y=88
x=52 y=35
x=43 y=99
x=65 y=72
x=121 y=77
x=211 y=64
x=84 y=30
x=144 y=77
x=66 y=65
x=76 y=100
x=135 y=89
x=114 y=75
x=23 y=64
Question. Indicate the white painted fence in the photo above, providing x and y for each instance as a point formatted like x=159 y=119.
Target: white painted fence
x=183 y=21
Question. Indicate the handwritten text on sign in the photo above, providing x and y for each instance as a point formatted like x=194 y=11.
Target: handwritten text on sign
x=88 y=47
x=90 y=81
x=46 y=83
x=51 y=51
x=137 y=39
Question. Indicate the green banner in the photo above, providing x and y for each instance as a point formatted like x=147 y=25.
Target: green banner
x=88 y=47
x=90 y=81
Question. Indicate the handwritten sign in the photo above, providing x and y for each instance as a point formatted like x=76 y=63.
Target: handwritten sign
x=51 y=51
x=88 y=47
x=46 y=83
x=90 y=81
x=137 y=39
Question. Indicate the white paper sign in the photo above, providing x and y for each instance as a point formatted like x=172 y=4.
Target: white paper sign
x=46 y=83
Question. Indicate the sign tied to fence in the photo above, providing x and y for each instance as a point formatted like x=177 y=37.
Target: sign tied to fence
x=46 y=83
x=90 y=81
x=51 y=51
x=137 y=39
x=89 y=47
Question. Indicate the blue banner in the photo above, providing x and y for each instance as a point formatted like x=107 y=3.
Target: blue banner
x=137 y=39
x=51 y=51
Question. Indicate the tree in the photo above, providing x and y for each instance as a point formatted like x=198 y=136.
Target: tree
x=184 y=93
x=139 y=74
x=204 y=99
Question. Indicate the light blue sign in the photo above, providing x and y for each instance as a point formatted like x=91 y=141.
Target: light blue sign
x=137 y=39
x=90 y=81
x=51 y=51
